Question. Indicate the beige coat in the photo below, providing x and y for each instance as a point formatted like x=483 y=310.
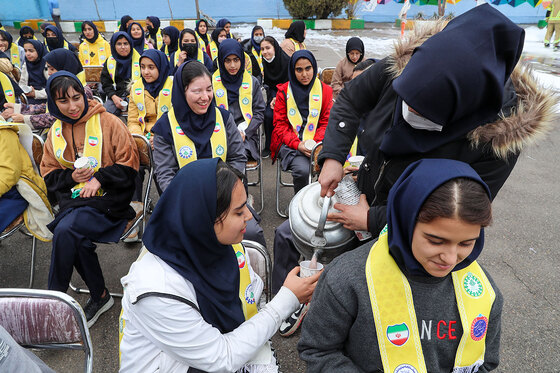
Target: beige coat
x=342 y=74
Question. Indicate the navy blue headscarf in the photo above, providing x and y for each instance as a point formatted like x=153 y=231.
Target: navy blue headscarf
x=24 y=30
x=124 y=64
x=173 y=33
x=124 y=21
x=301 y=92
x=160 y=60
x=95 y=31
x=456 y=79
x=36 y=68
x=54 y=44
x=222 y=24
x=64 y=60
x=232 y=82
x=138 y=43
x=53 y=109
x=405 y=200
x=256 y=45
x=156 y=24
x=198 y=128
x=202 y=36
x=181 y=233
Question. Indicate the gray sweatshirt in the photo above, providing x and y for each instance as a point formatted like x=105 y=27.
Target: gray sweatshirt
x=338 y=333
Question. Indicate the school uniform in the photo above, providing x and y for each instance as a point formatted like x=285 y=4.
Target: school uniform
x=94 y=51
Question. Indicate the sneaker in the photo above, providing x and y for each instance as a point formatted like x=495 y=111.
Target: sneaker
x=291 y=324
x=265 y=153
x=133 y=236
x=546 y=45
x=94 y=309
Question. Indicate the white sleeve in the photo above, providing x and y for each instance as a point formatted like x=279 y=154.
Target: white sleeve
x=182 y=333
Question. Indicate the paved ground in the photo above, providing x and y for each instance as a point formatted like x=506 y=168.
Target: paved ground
x=521 y=253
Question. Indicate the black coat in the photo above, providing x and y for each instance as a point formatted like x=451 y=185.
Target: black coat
x=109 y=89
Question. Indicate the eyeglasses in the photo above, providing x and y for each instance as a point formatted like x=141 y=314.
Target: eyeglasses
x=123 y=44
x=299 y=70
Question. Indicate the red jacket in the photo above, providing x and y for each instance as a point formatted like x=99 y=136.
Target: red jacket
x=283 y=132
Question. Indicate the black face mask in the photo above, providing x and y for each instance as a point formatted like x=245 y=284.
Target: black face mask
x=150 y=29
x=190 y=48
x=52 y=41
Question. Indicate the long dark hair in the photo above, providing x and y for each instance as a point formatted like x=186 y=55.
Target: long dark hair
x=226 y=178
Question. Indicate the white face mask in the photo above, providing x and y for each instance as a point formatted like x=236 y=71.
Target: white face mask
x=258 y=39
x=267 y=60
x=418 y=122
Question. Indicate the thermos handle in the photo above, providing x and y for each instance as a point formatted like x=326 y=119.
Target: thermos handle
x=323 y=218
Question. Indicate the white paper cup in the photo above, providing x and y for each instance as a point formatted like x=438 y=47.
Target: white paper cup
x=26 y=89
x=356 y=160
x=309 y=144
x=305 y=271
x=124 y=104
x=82 y=163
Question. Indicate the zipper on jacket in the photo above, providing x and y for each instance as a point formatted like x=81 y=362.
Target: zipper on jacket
x=381 y=171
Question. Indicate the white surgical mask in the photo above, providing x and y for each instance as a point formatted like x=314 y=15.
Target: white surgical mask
x=267 y=60
x=258 y=39
x=418 y=122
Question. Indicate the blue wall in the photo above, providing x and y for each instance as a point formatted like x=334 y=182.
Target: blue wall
x=235 y=10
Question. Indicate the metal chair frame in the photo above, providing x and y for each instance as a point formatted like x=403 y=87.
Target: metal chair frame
x=258 y=169
x=313 y=164
x=261 y=250
x=280 y=183
x=322 y=75
x=80 y=317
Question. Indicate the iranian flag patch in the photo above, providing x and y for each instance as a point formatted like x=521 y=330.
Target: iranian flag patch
x=92 y=140
x=165 y=92
x=138 y=91
x=398 y=334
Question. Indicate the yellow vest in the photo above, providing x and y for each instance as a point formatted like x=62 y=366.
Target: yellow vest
x=8 y=88
x=14 y=51
x=164 y=100
x=112 y=66
x=94 y=54
x=245 y=94
x=185 y=149
x=315 y=103
x=395 y=318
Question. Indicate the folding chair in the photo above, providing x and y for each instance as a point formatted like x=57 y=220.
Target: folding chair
x=45 y=319
x=326 y=75
x=314 y=168
x=261 y=264
x=280 y=183
x=18 y=223
x=146 y=159
x=256 y=165
x=16 y=73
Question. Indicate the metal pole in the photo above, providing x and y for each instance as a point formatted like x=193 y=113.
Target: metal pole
x=97 y=9
x=197 y=9
x=170 y=11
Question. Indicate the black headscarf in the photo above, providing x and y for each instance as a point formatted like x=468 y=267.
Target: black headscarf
x=138 y=43
x=185 y=239
x=222 y=24
x=301 y=92
x=215 y=35
x=124 y=21
x=51 y=104
x=95 y=31
x=198 y=128
x=276 y=72
x=405 y=200
x=202 y=36
x=124 y=64
x=232 y=82
x=173 y=33
x=355 y=43
x=24 y=30
x=156 y=22
x=162 y=63
x=8 y=37
x=456 y=79
x=64 y=60
x=256 y=45
x=36 y=68
x=296 y=31
x=54 y=44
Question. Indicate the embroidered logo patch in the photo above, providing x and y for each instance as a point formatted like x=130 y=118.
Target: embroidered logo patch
x=223 y=106
x=92 y=54
x=140 y=106
x=166 y=92
x=472 y=285
x=9 y=92
x=479 y=327
x=240 y=259
x=248 y=116
x=57 y=132
x=220 y=150
x=85 y=51
x=102 y=58
x=102 y=49
x=218 y=78
x=138 y=91
x=164 y=109
x=220 y=93
x=58 y=153
x=245 y=101
x=314 y=113
x=92 y=140
x=292 y=112
x=86 y=62
x=311 y=126
x=136 y=64
x=398 y=334
x=93 y=162
x=218 y=127
x=245 y=85
x=316 y=98
x=298 y=128
x=179 y=130
x=111 y=66
x=185 y=152
x=249 y=294
x=137 y=73
x=405 y=368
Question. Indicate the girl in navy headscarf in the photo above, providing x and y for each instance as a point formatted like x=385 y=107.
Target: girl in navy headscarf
x=170 y=40
x=426 y=258
x=34 y=74
x=209 y=321
x=202 y=32
x=189 y=50
x=154 y=32
x=25 y=32
x=253 y=48
x=139 y=43
x=232 y=84
x=125 y=22
x=13 y=51
x=218 y=35
x=226 y=25
x=54 y=39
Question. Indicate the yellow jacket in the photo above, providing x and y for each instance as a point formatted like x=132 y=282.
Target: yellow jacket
x=92 y=58
x=151 y=114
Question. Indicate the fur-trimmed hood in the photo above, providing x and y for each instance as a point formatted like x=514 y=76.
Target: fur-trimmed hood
x=530 y=120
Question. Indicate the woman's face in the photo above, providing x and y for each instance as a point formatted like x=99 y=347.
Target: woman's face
x=267 y=50
x=199 y=94
x=149 y=24
x=232 y=64
x=25 y=36
x=3 y=44
x=71 y=105
x=258 y=32
x=128 y=23
x=30 y=52
x=188 y=38
x=354 y=55
x=123 y=47
x=166 y=39
x=443 y=243
x=202 y=28
x=304 y=71
x=136 y=31
x=50 y=70
x=50 y=34
x=88 y=31
x=230 y=230
x=222 y=36
x=149 y=70
x=227 y=27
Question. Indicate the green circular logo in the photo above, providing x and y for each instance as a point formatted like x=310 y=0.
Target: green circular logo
x=472 y=285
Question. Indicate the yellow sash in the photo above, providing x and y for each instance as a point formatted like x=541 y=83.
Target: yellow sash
x=112 y=66
x=166 y=51
x=213 y=50
x=93 y=144
x=185 y=150
x=159 y=39
x=296 y=44
x=245 y=94
x=248 y=64
x=164 y=99
x=100 y=50
x=199 y=57
x=14 y=50
x=82 y=76
x=8 y=88
x=201 y=43
x=246 y=291
x=258 y=57
x=353 y=152
x=395 y=318
x=315 y=103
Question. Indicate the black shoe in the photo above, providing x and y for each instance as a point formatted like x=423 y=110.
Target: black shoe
x=94 y=309
x=546 y=45
x=265 y=153
x=292 y=323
